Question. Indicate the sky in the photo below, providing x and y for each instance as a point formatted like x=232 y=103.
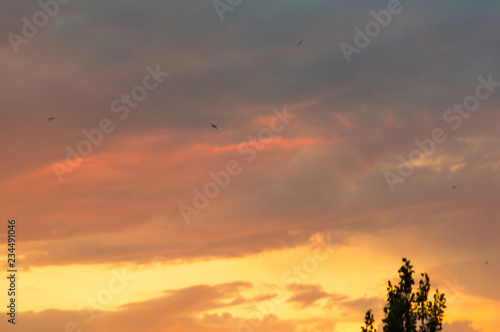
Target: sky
x=350 y=134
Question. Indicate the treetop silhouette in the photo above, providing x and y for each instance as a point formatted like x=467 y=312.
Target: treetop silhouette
x=409 y=311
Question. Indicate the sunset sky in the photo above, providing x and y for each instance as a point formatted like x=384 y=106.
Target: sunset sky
x=342 y=127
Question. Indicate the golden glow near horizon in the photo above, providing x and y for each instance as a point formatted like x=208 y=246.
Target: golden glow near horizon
x=340 y=270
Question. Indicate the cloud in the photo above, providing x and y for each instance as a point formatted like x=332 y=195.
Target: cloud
x=306 y=295
x=460 y=326
x=189 y=308
x=363 y=304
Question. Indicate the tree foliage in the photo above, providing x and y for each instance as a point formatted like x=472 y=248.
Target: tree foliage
x=409 y=311
x=369 y=323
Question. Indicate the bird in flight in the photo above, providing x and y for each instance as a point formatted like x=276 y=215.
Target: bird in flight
x=214 y=126
x=50 y=119
x=300 y=42
x=454 y=187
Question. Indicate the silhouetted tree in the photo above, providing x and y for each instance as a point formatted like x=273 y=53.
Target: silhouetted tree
x=407 y=311
x=369 y=323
